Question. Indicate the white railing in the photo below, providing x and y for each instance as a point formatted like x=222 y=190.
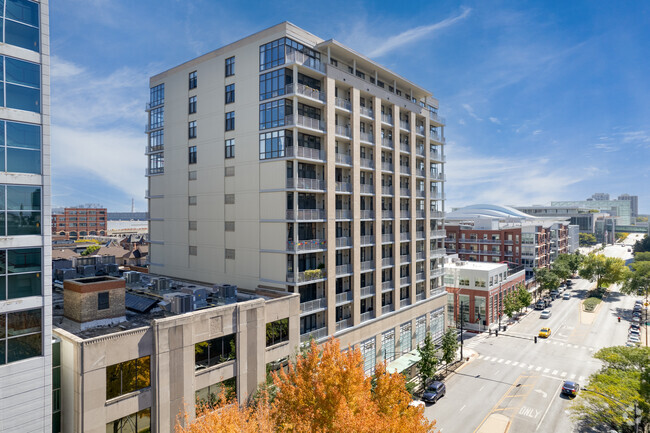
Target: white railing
x=387 y=190
x=343 y=103
x=305 y=121
x=306 y=214
x=367 y=163
x=437 y=176
x=344 y=242
x=438 y=272
x=439 y=234
x=404 y=281
x=387 y=118
x=343 y=130
x=387 y=142
x=419 y=276
x=343 y=159
x=316 y=304
x=343 y=324
x=367 y=291
x=419 y=234
x=388 y=285
x=404 y=302
x=420 y=214
x=438 y=252
x=316 y=334
x=405 y=147
x=434 y=116
x=344 y=297
x=437 y=156
x=344 y=269
x=404 y=169
x=420 y=193
x=419 y=129
x=367 y=239
x=343 y=214
x=343 y=187
x=419 y=172
x=307 y=245
x=293 y=56
x=367 y=316
x=365 y=111
x=305 y=183
x=405 y=258
x=436 y=214
x=366 y=189
x=405 y=191
x=406 y=236
x=387 y=308
x=305 y=152
x=419 y=150
x=387 y=214
x=419 y=296
x=404 y=214
x=311 y=275
x=307 y=91
x=367 y=214
x=420 y=255
x=367 y=137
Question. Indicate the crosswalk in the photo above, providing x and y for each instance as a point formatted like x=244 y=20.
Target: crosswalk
x=475 y=341
x=556 y=373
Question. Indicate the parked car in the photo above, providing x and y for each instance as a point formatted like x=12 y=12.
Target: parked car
x=434 y=392
x=545 y=332
x=636 y=319
x=540 y=305
x=570 y=388
x=554 y=294
x=547 y=302
x=545 y=314
x=633 y=339
x=566 y=295
x=569 y=282
x=634 y=326
x=633 y=331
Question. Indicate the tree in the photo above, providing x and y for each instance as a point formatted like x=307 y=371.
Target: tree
x=586 y=239
x=642 y=257
x=561 y=268
x=90 y=250
x=642 y=245
x=620 y=379
x=604 y=270
x=638 y=281
x=428 y=359
x=524 y=297
x=574 y=261
x=510 y=304
x=621 y=236
x=449 y=346
x=546 y=280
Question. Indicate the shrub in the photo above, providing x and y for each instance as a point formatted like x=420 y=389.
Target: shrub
x=591 y=303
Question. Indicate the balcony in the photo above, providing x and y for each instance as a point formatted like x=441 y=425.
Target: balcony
x=403 y=124
x=387 y=118
x=419 y=234
x=306 y=91
x=419 y=277
x=343 y=187
x=437 y=156
x=343 y=242
x=419 y=172
x=316 y=304
x=437 y=196
x=403 y=303
x=342 y=298
x=405 y=236
x=308 y=275
x=419 y=296
x=404 y=281
x=387 y=214
x=387 y=166
x=367 y=214
x=439 y=119
x=420 y=193
x=388 y=237
x=419 y=150
x=304 y=183
x=343 y=214
x=405 y=169
x=387 y=190
x=389 y=308
x=304 y=121
x=148 y=128
x=293 y=56
x=387 y=142
x=404 y=214
x=405 y=147
x=369 y=315
x=387 y=286
x=152 y=149
x=437 y=176
x=343 y=103
x=366 y=163
x=305 y=152
x=306 y=214
x=343 y=131
x=316 y=334
x=366 y=188
x=420 y=255
x=437 y=272
x=419 y=130
x=367 y=112
x=440 y=234
x=343 y=324
x=367 y=291
x=387 y=261
x=420 y=214
x=436 y=137
x=344 y=269
x=367 y=137
x=307 y=245
x=367 y=240
x=405 y=192
x=441 y=290
x=436 y=214
x=368 y=265
x=152 y=171
x=343 y=159
x=405 y=259
x=437 y=252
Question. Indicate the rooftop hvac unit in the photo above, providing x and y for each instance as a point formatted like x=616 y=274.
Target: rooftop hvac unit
x=160 y=283
x=65 y=274
x=130 y=276
x=112 y=269
x=86 y=270
x=181 y=303
x=226 y=293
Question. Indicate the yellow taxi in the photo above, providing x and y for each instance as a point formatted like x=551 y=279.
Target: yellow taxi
x=545 y=332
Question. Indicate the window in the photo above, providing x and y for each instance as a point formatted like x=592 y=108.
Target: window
x=369 y=356
x=191 y=129
x=437 y=324
x=277 y=332
x=388 y=346
x=21 y=24
x=128 y=376
x=308 y=111
x=20 y=210
x=273 y=53
x=192 y=225
x=420 y=330
x=21 y=84
x=273 y=144
x=20 y=147
x=156 y=118
x=273 y=114
x=192 y=105
x=229 y=226
x=230 y=121
x=20 y=335
x=214 y=352
x=102 y=301
x=230 y=66
x=230 y=93
x=192 y=251
x=157 y=95
x=137 y=422
x=191 y=155
x=229 y=171
x=191 y=175
x=229 y=198
x=405 y=338
x=209 y=396
x=191 y=200
x=156 y=163
x=230 y=148
x=230 y=254
x=192 y=80
x=274 y=83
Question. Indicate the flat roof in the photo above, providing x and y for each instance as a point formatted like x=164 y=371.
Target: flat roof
x=481 y=266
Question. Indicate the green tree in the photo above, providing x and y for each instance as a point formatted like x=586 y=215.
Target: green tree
x=546 y=280
x=511 y=304
x=90 y=250
x=604 y=270
x=449 y=346
x=621 y=236
x=586 y=239
x=428 y=359
x=642 y=257
x=524 y=297
x=642 y=245
x=574 y=261
x=621 y=379
x=561 y=268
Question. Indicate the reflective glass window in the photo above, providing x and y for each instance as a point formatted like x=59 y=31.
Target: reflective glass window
x=21 y=35
x=24 y=11
x=272 y=114
x=128 y=376
x=20 y=335
x=157 y=95
x=214 y=352
x=273 y=144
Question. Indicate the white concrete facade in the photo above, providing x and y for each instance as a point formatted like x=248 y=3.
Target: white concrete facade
x=26 y=385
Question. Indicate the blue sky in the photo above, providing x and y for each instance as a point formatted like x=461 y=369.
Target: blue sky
x=544 y=100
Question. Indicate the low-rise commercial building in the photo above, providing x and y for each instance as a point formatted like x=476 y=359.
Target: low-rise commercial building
x=78 y=222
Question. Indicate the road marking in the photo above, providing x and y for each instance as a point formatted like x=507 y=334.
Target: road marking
x=554 y=372
x=500 y=361
x=561 y=344
x=482 y=388
x=573 y=376
x=547 y=408
x=546 y=370
x=480 y=356
x=514 y=364
x=538 y=368
x=530 y=366
x=508 y=362
x=591 y=349
x=563 y=374
x=461 y=409
x=541 y=392
x=575 y=346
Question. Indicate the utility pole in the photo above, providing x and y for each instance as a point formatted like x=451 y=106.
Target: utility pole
x=461 y=330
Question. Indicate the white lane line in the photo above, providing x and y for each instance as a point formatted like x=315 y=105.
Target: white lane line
x=508 y=362
x=541 y=421
x=546 y=370
x=563 y=374
x=555 y=342
x=554 y=372
x=482 y=388
x=575 y=346
x=538 y=368
x=480 y=357
x=573 y=376
x=561 y=344
x=500 y=361
x=461 y=409
x=530 y=366
x=514 y=364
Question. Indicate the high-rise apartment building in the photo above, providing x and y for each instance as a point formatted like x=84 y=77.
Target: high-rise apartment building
x=634 y=203
x=25 y=232
x=289 y=162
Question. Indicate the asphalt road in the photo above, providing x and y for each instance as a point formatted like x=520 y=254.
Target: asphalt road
x=510 y=377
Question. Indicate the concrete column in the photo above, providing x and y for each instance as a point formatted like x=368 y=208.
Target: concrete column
x=396 y=205
x=376 y=130
x=330 y=172
x=412 y=186
x=356 y=198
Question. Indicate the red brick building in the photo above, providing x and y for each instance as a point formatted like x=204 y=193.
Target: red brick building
x=483 y=245
x=77 y=222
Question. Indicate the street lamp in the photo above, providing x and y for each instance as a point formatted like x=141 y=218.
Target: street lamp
x=637 y=417
x=461 y=329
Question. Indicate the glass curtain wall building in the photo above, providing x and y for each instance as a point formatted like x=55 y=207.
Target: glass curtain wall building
x=25 y=244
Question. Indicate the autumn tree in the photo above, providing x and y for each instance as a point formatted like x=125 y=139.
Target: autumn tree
x=586 y=239
x=604 y=270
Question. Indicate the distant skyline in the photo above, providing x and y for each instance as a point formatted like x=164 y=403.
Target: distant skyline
x=544 y=100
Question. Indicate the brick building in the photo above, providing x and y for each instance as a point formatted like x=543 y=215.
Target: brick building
x=77 y=222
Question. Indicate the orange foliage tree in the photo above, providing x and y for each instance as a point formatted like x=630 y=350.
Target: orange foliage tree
x=325 y=391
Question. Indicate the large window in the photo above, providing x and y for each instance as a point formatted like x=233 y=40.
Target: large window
x=128 y=376
x=230 y=121
x=191 y=155
x=156 y=163
x=273 y=144
x=192 y=78
x=277 y=332
x=230 y=94
x=157 y=95
x=20 y=335
x=437 y=324
x=20 y=210
x=156 y=140
x=230 y=148
x=272 y=114
x=369 y=356
x=214 y=352
x=20 y=147
x=192 y=105
x=273 y=83
x=139 y=422
x=209 y=396
x=191 y=129
x=20 y=273
x=405 y=338
x=156 y=118
x=420 y=330
x=230 y=66
x=388 y=346
x=21 y=85
x=273 y=53
x=21 y=23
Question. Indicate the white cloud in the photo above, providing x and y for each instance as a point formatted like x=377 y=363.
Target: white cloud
x=470 y=111
x=61 y=69
x=537 y=132
x=495 y=120
x=461 y=121
x=415 y=34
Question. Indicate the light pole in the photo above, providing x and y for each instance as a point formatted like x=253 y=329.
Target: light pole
x=461 y=331
x=637 y=418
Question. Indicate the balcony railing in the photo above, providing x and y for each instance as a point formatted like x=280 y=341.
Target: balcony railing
x=419 y=296
x=308 y=275
x=387 y=142
x=306 y=214
x=389 y=237
x=367 y=214
x=387 y=261
x=387 y=190
x=366 y=137
x=437 y=176
x=404 y=147
x=404 y=125
x=437 y=272
x=419 y=234
x=343 y=130
x=420 y=255
x=437 y=291
x=420 y=214
x=343 y=159
x=367 y=265
x=419 y=150
x=303 y=90
x=405 y=169
x=404 y=302
x=305 y=152
x=434 y=116
x=436 y=137
x=419 y=172
x=419 y=277
x=437 y=156
x=387 y=285
x=436 y=196
x=387 y=214
x=344 y=297
x=365 y=188
x=343 y=103
x=365 y=111
x=367 y=239
x=404 y=214
x=419 y=130
x=438 y=252
x=369 y=315
x=343 y=187
x=343 y=214
x=420 y=193
x=304 y=183
x=404 y=281
x=367 y=163
x=307 y=245
x=436 y=214
x=405 y=236
x=153 y=171
x=387 y=308
x=344 y=269
x=405 y=192
x=387 y=118
x=367 y=291
x=305 y=121
x=297 y=57
x=440 y=234
x=343 y=324
x=387 y=166
x=316 y=304
x=343 y=242
x=404 y=259
x=316 y=334
x=152 y=149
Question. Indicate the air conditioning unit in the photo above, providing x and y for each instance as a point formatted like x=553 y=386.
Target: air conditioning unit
x=160 y=284
x=181 y=303
x=131 y=276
